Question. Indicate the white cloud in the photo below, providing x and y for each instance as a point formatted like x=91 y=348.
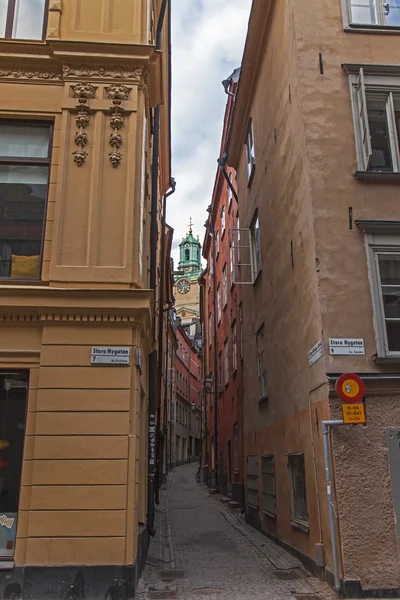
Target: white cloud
x=207 y=45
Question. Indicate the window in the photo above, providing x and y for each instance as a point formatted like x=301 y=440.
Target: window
x=241 y=329
x=252 y=481
x=216 y=243
x=376 y=112
x=220 y=371
x=268 y=485
x=236 y=448
x=261 y=366
x=255 y=247
x=219 y=303
x=23 y=19
x=226 y=362
x=171 y=412
x=187 y=254
x=224 y=287
x=251 y=157
x=24 y=174
x=234 y=347
x=371 y=12
x=383 y=253
x=210 y=320
x=230 y=194
x=298 y=483
x=232 y=259
x=222 y=221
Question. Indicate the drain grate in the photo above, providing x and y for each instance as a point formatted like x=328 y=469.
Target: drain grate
x=172 y=575
x=287 y=575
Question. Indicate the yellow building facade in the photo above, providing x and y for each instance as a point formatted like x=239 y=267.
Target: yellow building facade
x=81 y=82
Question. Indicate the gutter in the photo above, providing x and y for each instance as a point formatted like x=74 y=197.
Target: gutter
x=154 y=359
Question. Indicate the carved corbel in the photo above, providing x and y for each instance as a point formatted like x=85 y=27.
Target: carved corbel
x=116 y=93
x=83 y=92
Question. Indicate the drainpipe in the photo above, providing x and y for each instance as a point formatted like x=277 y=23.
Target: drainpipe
x=153 y=279
x=326 y=426
x=215 y=356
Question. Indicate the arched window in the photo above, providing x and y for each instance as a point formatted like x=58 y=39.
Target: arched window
x=187 y=254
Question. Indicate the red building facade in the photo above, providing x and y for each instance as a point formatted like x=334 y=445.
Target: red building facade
x=222 y=330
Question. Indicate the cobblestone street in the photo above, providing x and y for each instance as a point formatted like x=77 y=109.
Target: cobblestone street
x=203 y=550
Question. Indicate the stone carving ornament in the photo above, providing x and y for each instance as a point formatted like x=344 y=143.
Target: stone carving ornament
x=116 y=93
x=83 y=92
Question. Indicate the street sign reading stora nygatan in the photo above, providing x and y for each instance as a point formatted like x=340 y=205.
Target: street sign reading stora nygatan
x=350 y=388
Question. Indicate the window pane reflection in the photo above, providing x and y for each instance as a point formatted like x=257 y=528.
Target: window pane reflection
x=28 y=19
x=363 y=11
x=3 y=17
x=392 y=12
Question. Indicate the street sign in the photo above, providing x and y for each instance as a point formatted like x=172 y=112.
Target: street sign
x=346 y=346
x=315 y=353
x=353 y=413
x=350 y=388
x=106 y=355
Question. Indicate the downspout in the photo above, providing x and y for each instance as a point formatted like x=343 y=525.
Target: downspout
x=215 y=357
x=326 y=426
x=153 y=359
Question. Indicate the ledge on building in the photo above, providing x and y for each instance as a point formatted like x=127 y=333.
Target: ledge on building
x=380 y=176
x=6 y=565
x=371 y=28
x=269 y=515
x=300 y=525
x=386 y=360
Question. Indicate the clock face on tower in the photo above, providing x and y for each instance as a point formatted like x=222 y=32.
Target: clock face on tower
x=183 y=286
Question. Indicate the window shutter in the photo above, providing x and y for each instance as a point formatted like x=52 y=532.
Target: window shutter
x=393 y=138
x=365 y=135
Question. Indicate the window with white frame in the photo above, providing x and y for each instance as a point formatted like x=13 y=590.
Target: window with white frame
x=384 y=13
x=226 y=362
x=234 y=347
x=298 y=488
x=255 y=247
x=231 y=259
x=223 y=221
x=252 y=481
x=383 y=254
x=261 y=364
x=236 y=448
x=224 y=286
x=376 y=113
x=217 y=243
x=219 y=302
x=220 y=371
x=230 y=194
x=268 y=485
x=251 y=156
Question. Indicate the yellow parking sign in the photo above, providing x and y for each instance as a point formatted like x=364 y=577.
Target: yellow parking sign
x=353 y=413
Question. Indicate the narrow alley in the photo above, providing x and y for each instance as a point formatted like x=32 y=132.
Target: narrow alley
x=205 y=550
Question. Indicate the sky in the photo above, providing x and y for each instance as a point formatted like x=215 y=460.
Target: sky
x=208 y=38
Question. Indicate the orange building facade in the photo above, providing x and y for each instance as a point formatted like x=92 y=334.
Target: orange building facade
x=80 y=85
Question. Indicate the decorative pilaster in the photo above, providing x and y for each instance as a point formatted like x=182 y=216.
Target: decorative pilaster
x=117 y=93
x=53 y=27
x=84 y=92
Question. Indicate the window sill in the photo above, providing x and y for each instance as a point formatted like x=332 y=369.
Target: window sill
x=377 y=176
x=300 y=525
x=370 y=28
x=386 y=360
x=268 y=514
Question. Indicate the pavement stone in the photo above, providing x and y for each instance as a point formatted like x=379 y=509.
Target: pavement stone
x=215 y=555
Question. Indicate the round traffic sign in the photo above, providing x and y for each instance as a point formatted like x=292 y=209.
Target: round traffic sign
x=350 y=388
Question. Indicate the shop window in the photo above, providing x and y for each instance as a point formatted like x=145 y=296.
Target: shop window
x=23 y=19
x=24 y=174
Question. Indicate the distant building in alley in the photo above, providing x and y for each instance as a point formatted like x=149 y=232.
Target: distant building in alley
x=315 y=144
x=222 y=330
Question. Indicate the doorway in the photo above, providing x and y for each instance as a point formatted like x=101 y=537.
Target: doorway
x=13 y=404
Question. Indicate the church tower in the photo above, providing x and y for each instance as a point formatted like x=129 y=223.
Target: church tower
x=186 y=289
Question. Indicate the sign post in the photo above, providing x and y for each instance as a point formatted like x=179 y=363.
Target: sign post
x=351 y=390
